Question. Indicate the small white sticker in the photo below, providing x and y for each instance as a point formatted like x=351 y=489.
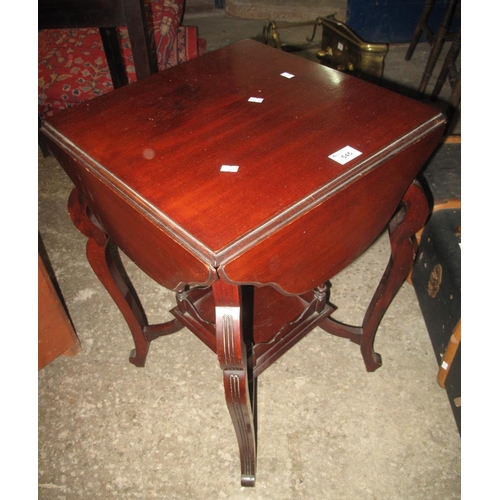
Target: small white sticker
x=229 y=168
x=340 y=46
x=344 y=155
x=287 y=75
x=255 y=99
x=444 y=365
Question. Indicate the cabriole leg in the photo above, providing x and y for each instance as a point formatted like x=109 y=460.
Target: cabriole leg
x=409 y=218
x=406 y=222
x=102 y=262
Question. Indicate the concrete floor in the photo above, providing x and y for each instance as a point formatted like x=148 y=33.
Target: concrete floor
x=327 y=428
x=285 y=10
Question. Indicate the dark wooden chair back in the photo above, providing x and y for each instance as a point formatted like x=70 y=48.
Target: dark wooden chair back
x=107 y=15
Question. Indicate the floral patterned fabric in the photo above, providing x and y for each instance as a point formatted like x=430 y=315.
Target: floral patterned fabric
x=72 y=64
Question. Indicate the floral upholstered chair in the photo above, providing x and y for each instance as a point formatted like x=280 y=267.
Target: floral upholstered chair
x=72 y=64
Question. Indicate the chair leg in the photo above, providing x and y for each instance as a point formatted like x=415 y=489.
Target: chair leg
x=421 y=27
x=451 y=111
x=437 y=45
x=448 y=64
x=43 y=146
x=42 y=143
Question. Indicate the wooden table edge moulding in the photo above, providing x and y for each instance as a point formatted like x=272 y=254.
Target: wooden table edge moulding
x=244 y=181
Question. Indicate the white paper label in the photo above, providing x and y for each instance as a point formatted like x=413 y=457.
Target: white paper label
x=444 y=365
x=287 y=75
x=255 y=99
x=229 y=168
x=344 y=155
x=340 y=46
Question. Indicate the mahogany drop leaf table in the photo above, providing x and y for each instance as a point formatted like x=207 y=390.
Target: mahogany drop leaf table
x=244 y=180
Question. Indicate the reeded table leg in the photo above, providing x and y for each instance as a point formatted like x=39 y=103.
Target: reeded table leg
x=410 y=217
x=232 y=354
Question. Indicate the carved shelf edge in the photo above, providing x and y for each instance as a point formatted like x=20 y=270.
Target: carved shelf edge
x=278 y=321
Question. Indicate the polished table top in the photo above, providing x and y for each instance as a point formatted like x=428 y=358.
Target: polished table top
x=163 y=143
x=243 y=168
